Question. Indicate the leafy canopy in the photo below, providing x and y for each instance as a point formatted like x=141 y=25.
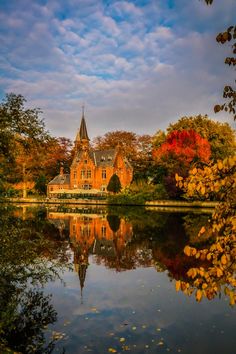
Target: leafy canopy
x=137 y=148
x=186 y=146
x=220 y=135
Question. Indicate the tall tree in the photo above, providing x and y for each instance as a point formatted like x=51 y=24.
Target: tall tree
x=54 y=153
x=22 y=132
x=19 y=123
x=177 y=154
x=220 y=135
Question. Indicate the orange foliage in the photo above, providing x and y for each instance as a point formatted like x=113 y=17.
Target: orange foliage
x=186 y=146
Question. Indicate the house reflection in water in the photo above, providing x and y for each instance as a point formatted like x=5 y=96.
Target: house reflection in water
x=102 y=235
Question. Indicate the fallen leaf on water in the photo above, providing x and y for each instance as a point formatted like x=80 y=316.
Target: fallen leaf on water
x=112 y=350
x=160 y=343
x=144 y=326
x=158 y=329
x=134 y=328
x=125 y=347
x=57 y=335
x=122 y=339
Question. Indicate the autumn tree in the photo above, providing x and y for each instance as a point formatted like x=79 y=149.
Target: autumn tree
x=137 y=148
x=159 y=138
x=177 y=154
x=220 y=136
x=56 y=152
x=219 y=272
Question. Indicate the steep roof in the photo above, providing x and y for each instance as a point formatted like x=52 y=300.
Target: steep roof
x=82 y=132
x=61 y=179
x=104 y=158
x=101 y=158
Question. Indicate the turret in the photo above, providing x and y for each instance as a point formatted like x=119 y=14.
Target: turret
x=82 y=139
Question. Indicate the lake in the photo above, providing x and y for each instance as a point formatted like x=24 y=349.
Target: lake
x=95 y=280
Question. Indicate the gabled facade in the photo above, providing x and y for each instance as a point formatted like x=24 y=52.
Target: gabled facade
x=91 y=170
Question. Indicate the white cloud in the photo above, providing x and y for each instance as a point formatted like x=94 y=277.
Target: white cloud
x=136 y=67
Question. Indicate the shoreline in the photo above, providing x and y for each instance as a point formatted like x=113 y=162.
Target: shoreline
x=150 y=204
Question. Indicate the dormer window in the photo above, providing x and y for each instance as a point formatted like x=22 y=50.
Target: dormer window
x=85 y=162
x=109 y=158
x=103 y=158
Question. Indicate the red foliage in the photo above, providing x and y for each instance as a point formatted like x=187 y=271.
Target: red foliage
x=186 y=146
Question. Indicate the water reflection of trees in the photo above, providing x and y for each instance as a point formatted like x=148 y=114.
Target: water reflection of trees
x=127 y=238
x=31 y=254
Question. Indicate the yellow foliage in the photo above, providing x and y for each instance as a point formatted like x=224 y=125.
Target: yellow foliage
x=218 y=180
x=199 y=295
x=177 y=285
x=203 y=229
x=223 y=259
x=187 y=250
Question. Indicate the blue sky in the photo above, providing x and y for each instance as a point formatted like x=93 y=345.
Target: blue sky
x=136 y=65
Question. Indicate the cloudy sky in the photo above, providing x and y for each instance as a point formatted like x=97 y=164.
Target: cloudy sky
x=136 y=65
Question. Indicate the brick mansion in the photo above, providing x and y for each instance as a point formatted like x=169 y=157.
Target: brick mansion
x=91 y=170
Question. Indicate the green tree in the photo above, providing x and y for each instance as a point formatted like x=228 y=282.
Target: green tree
x=22 y=133
x=18 y=122
x=41 y=184
x=114 y=184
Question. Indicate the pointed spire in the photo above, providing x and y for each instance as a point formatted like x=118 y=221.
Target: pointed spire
x=82 y=275
x=83 y=134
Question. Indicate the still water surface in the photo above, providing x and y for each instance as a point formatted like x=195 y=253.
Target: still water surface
x=114 y=284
